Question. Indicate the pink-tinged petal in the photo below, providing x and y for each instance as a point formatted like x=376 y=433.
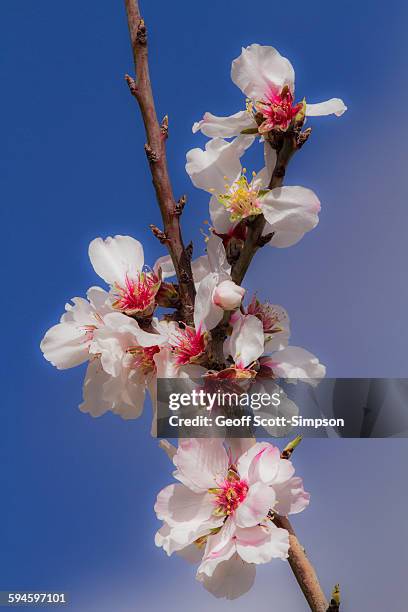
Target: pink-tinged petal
x=292 y=211
x=261 y=69
x=66 y=345
x=246 y=458
x=334 y=106
x=100 y=300
x=255 y=507
x=225 y=127
x=179 y=537
x=219 y=547
x=208 y=169
x=291 y=497
x=202 y=463
x=261 y=544
x=298 y=364
x=264 y=466
x=231 y=578
x=247 y=340
x=178 y=505
x=114 y=258
x=94 y=402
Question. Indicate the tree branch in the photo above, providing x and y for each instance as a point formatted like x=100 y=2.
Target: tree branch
x=155 y=149
x=303 y=569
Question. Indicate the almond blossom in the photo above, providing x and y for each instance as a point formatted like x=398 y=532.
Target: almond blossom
x=221 y=511
x=119 y=261
x=290 y=212
x=267 y=79
x=248 y=350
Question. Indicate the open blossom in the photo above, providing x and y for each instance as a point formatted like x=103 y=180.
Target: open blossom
x=120 y=353
x=290 y=212
x=120 y=262
x=268 y=81
x=275 y=322
x=221 y=511
x=66 y=344
x=251 y=351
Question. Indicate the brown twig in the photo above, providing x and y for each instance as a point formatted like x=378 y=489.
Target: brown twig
x=155 y=149
x=303 y=569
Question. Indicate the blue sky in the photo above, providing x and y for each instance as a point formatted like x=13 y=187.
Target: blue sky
x=76 y=512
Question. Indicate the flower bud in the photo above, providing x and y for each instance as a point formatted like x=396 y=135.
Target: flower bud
x=228 y=295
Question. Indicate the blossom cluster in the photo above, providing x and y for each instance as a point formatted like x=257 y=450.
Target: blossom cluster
x=222 y=509
x=220 y=513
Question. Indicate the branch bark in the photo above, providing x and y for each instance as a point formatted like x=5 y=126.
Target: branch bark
x=303 y=570
x=155 y=149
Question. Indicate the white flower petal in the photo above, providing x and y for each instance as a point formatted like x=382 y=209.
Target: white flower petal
x=201 y=462
x=114 y=258
x=256 y=505
x=231 y=578
x=297 y=363
x=225 y=127
x=262 y=544
x=217 y=257
x=220 y=217
x=247 y=340
x=261 y=68
x=178 y=505
x=290 y=210
x=206 y=313
x=166 y=265
x=65 y=345
x=208 y=169
x=291 y=497
x=334 y=106
x=246 y=458
x=94 y=402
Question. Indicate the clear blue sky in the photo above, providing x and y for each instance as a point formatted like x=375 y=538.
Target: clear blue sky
x=77 y=494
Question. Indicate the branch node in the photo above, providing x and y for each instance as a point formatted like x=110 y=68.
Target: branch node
x=189 y=250
x=178 y=209
x=158 y=233
x=302 y=137
x=262 y=240
x=141 y=34
x=164 y=126
x=131 y=84
x=152 y=156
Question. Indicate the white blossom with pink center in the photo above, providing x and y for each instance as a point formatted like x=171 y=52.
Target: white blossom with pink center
x=220 y=513
x=120 y=354
x=246 y=346
x=268 y=81
x=119 y=261
x=66 y=344
x=290 y=212
x=275 y=322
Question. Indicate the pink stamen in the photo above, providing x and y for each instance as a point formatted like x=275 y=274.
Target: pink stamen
x=188 y=344
x=231 y=493
x=277 y=110
x=138 y=294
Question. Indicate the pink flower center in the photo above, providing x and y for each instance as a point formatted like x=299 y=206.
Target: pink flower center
x=230 y=494
x=138 y=294
x=277 y=109
x=188 y=344
x=143 y=358
x=270 y=315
